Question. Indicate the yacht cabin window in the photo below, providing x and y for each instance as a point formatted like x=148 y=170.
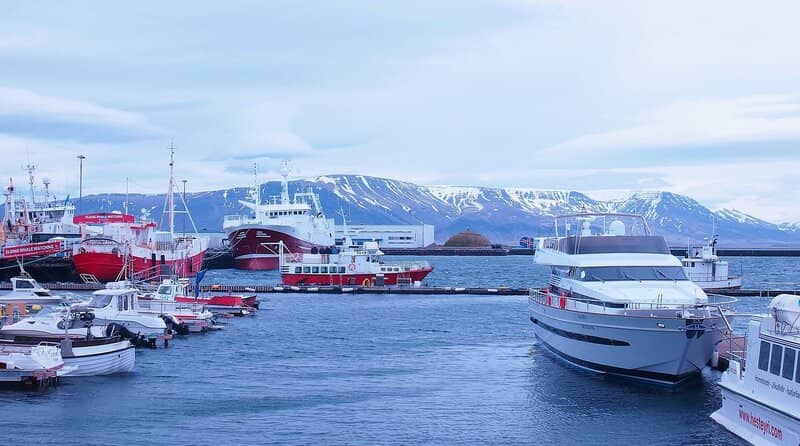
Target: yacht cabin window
x=797 y=371
x=613 y=273
x=775 y=359
x=789 y=355
x=125 y=303
x=763 y=356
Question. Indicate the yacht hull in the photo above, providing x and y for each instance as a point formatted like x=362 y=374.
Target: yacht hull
x=755 y=422
x=665 y=351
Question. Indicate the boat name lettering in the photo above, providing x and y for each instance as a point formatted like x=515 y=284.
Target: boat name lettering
x=764 y=426
x=779 y=387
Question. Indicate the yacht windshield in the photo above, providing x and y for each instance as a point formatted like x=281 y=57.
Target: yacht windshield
x=612 y=273
x=99 y=301
x=165 y=289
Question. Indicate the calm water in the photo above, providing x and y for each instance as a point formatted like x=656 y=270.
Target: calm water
x=355 y=369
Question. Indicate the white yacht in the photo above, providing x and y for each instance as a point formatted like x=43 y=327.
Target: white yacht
x=116 y=304
x=27 y=290
x=619 y=303
x=761 y=392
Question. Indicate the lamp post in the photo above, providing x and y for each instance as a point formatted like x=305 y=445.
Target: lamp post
x=80 y=185
x=186 y=207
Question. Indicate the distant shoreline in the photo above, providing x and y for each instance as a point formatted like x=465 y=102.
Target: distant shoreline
x=508 y=251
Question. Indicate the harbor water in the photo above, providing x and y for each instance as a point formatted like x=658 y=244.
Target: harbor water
x=377 y=369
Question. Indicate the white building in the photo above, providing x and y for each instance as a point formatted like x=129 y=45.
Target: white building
x=389 y=236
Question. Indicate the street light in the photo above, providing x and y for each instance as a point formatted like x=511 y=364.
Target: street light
x=80 y=187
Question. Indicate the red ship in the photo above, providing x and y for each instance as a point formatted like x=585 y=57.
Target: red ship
x=116 y=246
x=299 y=224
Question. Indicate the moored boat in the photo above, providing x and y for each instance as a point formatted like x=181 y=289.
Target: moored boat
x=224 y=304
x=761 y=387
x=27 y=290
x=119 y=247
x=707 y=270
x=299 y=223
x=618 y=303
x=89 y=356
x=349 y=265
x=29 y=364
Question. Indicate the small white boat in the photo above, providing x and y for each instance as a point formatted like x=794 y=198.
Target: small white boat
x=761 y=388
x=27 y=290
x=29 y=364
x=90 y=356
x=704 y=267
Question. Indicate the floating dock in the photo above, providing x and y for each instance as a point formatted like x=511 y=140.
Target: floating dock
x=354 y=289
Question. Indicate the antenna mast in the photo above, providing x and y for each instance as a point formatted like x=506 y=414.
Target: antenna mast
x=285 y=182
x=170 y=197
x=31 y=168
x=256 y=189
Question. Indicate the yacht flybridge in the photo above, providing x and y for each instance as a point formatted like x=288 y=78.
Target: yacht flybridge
x=619 y=303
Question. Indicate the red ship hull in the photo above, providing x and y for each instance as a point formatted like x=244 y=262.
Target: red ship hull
x=106 y=267
x=257 y=248
x=363 y=279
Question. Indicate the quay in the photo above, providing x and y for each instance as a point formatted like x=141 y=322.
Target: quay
x=271 y=288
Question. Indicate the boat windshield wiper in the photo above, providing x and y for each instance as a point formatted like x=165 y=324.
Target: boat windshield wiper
x=661 y=273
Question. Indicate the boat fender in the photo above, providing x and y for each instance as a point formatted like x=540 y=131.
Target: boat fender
x=351 y=267
x=366 y=283
x=562 y=301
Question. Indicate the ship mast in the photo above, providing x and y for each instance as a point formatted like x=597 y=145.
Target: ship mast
x=31 y=168
x=285 y=182
x=170 y=197
x=256 y=189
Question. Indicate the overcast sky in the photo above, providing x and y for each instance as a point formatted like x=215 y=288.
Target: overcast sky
x=699 y=98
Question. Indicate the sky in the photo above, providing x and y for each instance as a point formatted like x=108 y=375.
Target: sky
x=697 y=98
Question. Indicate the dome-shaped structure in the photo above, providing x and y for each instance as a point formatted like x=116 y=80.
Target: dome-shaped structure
x=468 y=239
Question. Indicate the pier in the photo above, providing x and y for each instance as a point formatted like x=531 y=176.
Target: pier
x=271 y=288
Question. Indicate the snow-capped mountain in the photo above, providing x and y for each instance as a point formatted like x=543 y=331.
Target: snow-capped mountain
x=502 y=214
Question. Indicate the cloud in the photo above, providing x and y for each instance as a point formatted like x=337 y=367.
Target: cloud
x=26 y=113
x=703 y=122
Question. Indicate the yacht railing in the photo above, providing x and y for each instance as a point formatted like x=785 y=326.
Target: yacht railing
x=656 y=309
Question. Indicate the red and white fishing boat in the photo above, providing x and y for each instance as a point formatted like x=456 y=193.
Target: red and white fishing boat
x=299 y=224
x=116 y=246
x=349 y=265
x=37 y=226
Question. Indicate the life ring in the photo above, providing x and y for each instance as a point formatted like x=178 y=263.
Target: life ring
x=366 y=283
x=351 y=267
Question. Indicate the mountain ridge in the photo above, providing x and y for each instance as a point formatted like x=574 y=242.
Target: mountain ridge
x=502 y=214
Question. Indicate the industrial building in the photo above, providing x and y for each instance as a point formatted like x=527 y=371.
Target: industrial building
x=389 y=236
